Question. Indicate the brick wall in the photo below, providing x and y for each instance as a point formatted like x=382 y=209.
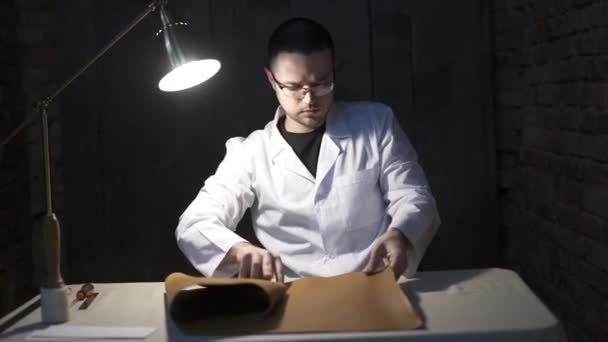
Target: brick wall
x=551 y=98
x=27 y=58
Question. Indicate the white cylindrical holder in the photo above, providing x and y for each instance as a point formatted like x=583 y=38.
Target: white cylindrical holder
x=54 y=305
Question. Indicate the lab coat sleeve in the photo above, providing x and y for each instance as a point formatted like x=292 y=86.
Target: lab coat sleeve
x=206 y=229
x=411 y=205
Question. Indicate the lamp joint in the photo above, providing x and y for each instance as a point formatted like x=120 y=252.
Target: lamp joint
x=42 y=104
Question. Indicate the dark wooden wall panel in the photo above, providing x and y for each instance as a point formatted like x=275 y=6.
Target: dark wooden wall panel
x=198 y=111
x=451 y=130
x=137 y=138
x=81 y=151
x=135 y=157
x=391 y=59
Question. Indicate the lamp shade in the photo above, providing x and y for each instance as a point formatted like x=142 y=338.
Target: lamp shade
x=187 y=65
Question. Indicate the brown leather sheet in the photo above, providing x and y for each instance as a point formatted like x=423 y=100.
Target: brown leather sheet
x=349 y=302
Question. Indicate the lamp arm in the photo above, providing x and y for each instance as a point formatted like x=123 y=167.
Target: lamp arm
x=52 y=228
x=46 y=101
x=151 y=7
x=42 y=105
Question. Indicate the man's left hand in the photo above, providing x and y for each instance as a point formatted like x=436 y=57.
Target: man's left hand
x=392 y=246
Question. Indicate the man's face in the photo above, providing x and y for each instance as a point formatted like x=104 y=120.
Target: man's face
x=307 y=88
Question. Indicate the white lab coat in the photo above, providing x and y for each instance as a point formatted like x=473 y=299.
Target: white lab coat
x=367 y=180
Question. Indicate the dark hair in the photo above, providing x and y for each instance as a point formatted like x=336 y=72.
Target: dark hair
x=300 y=35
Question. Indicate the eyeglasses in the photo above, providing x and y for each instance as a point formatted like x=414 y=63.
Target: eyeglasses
x=298 y=92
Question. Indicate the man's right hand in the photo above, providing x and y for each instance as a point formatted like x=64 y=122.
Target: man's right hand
x=254 y=262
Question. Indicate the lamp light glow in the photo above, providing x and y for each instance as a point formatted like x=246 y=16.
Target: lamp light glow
x=189 y=74
x=186 y=64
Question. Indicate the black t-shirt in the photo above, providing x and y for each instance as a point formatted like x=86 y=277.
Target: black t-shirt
x=305 y=145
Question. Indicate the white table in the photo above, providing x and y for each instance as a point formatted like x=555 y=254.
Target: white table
x=466 y=305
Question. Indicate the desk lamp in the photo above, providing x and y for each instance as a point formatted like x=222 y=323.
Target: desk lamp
x=187 y=67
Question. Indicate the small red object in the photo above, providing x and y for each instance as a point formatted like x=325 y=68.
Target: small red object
x=88 y=301
x=85 y=291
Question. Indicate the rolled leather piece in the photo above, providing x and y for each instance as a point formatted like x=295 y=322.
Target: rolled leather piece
x=345 y=303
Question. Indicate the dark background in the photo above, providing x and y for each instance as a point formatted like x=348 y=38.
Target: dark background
x=504 y=100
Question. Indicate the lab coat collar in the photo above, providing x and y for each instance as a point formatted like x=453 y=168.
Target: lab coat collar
x=330 y=146
x=277 y=142
x=335 y=127
x=281 y=152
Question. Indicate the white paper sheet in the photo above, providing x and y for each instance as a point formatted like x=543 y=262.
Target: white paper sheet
x=78 y=332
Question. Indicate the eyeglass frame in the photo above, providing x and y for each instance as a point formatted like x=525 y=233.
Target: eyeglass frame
x=308 y=89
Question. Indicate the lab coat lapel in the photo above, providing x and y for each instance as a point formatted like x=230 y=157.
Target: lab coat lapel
x=328 y=154
x=332 y=145
x=295 y=165
x=283 y=155
x=333 y=142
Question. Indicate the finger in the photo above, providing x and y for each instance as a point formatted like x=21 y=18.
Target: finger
x=267 y=266
x=390 y=260
x=397 y=261
x=378 y=252
x=256 y=266
x=400 y=265
x=245 y=266
x=278 y=269
x=372 y=260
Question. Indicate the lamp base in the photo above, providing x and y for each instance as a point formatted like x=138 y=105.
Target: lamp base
x=54 y=305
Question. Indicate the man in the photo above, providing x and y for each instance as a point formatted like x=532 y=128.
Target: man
x=333 y=187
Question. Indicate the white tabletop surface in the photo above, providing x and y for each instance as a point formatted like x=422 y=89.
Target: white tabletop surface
x=464 y=305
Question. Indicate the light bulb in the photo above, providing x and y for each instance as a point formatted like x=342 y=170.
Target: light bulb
x=189 y=74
